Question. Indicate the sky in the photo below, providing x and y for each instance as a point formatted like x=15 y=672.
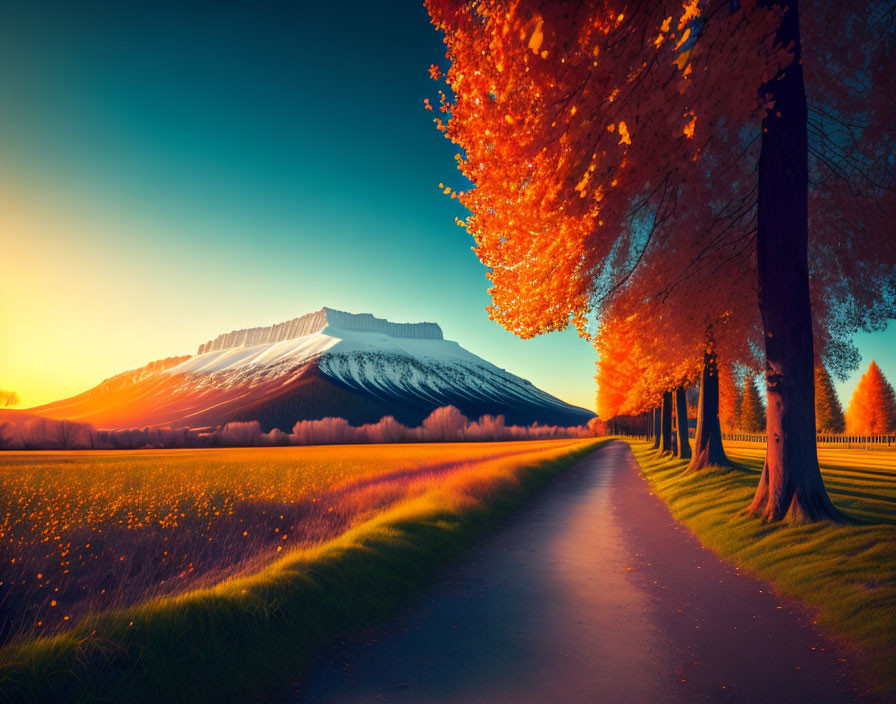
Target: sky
x=174 y=170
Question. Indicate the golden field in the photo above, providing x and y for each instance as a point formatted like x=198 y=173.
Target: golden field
x=88 y=531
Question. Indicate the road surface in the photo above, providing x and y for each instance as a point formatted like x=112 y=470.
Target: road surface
x=592 y=593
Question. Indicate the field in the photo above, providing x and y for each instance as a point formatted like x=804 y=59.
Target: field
x=847 y=572
x=145 y=554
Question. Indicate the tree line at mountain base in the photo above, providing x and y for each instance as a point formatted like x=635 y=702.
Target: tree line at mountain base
x=445 y=424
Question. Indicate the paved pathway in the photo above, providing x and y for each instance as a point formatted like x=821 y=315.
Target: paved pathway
x=593 y=593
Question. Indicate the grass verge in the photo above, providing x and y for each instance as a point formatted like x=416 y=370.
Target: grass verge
x=236 y=641
x=846 y=572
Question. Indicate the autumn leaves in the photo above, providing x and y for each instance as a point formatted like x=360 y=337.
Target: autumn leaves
x=645 y=173
x=872 y=409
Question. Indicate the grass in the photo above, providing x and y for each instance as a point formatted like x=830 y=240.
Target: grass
x=82 y=531
x=235 y=640
x=846 y=572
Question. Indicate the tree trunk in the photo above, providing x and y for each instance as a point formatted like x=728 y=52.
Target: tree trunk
x=791 y=484
x=666 y=438
x=649 y=426
x=657 y=427
x=681 y=415
x=708 y=448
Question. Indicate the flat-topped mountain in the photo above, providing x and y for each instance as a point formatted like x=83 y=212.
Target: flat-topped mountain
x=316 y=322
x=326 y=363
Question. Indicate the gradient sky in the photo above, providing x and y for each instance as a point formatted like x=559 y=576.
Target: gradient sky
x=171 y=171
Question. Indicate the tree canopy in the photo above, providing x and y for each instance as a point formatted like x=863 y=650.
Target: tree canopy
x=578 y=133
x=652 y=173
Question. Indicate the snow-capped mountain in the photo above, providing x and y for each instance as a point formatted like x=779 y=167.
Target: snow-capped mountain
x=326 y=363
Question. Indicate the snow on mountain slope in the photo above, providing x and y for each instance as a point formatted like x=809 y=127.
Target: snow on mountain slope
x=325 y=363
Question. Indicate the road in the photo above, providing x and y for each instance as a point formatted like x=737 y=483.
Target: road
x=592 y=593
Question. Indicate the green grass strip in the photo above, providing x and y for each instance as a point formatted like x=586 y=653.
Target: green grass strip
x=846 y=572
x=246 y=637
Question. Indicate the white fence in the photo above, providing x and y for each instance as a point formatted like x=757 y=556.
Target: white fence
x=865 y=442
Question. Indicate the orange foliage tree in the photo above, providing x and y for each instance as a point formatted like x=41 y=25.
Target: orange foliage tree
x=730 y=398
x=845 y=131
x=581 y=140
x=686 y=320
x=631 y=381
x=872 y=408
x=571 y=125
x=585 y=128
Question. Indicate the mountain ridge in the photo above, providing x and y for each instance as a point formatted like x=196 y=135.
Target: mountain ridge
x=315 y=322
x=307 y=368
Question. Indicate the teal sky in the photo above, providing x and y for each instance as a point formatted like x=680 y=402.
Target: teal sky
x=172 y=171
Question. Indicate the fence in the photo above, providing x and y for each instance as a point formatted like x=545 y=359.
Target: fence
x=868 y=442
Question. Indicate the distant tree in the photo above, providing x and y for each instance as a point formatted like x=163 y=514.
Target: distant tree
x=729 y=400
x=693 y=396
x=828 y=412
x=752 y=410
x=625 y=386
x=872 y=409
x=8 y=398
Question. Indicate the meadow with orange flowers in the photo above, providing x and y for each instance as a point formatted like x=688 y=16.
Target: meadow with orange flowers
x=112 y=558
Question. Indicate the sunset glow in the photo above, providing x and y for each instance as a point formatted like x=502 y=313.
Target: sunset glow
x=446 y=351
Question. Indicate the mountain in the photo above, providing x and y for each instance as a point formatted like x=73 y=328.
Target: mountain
x=326 y=363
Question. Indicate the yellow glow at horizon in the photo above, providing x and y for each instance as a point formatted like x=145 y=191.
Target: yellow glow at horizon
x=60 y=298
x=84 y=296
